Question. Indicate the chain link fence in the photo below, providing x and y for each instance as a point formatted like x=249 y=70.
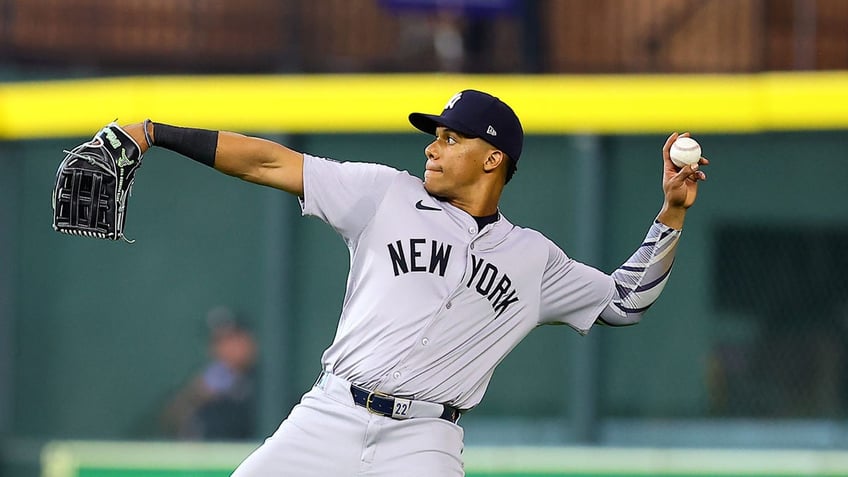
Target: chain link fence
x=781 y=348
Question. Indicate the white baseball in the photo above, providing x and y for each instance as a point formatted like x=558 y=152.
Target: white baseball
x=685 y=151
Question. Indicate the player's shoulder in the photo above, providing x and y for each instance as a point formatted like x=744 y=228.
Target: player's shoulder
x=348 y=163
x=326 y=164
x=527 y=233
x=538 y=240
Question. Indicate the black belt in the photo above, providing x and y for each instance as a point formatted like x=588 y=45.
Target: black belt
x=384 y=405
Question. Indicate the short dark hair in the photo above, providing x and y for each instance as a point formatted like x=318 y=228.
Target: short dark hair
x=511 y=167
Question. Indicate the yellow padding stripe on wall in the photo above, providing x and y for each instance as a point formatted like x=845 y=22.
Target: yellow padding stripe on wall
x=547 y=104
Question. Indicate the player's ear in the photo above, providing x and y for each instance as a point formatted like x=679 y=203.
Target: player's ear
x=494 y=159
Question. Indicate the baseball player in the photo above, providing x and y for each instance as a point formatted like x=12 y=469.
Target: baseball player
x=441 y=285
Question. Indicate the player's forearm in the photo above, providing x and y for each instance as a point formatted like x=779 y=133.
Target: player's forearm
x=252 y=159
x=641 y=279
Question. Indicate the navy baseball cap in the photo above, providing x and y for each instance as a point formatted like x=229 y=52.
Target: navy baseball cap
x=474 y=113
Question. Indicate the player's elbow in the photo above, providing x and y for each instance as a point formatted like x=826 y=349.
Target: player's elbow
x=255 y=174
x=616 y=314
x=287 y=176
x=619 y=323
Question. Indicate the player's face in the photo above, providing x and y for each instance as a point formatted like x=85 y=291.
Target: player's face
x=454 y=163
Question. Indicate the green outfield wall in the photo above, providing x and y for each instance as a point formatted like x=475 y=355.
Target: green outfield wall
x=89 y=362
x=99 y=365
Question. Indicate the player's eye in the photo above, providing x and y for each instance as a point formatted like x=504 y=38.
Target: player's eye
x=451 y=140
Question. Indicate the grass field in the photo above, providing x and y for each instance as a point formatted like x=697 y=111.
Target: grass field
x=170 y=459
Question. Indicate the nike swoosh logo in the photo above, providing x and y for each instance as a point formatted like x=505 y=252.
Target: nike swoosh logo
x=420 y=206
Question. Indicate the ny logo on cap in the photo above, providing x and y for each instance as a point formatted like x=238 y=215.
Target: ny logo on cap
x=453 y=101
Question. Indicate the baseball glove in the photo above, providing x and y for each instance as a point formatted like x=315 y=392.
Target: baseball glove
x=93 y=185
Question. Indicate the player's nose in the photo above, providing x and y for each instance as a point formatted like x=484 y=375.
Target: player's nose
x=430 y=150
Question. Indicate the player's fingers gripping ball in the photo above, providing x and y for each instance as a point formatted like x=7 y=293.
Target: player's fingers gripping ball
x=685 y=151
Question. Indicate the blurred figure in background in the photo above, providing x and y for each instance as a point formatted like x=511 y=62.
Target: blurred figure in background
x=219 y=403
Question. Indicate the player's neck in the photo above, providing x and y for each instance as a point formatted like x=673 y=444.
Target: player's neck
x=480 y=204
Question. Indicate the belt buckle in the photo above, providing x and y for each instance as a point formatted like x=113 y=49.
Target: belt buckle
x=370 y=398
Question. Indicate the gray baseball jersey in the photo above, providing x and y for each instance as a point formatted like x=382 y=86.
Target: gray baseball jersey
x=433 y=304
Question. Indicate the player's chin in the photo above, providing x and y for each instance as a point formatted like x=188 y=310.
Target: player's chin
x=431 y=182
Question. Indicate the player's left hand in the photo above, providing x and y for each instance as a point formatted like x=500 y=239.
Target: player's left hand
x=94 y=183
x=680 y=184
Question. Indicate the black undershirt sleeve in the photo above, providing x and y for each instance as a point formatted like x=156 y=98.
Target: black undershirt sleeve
x=197 y=144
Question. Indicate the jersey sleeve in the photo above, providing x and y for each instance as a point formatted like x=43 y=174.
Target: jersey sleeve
x=572 y=293
x=641 y=279
x=345 y=195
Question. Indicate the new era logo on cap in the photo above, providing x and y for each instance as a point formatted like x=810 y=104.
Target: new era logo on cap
x=477 y=114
